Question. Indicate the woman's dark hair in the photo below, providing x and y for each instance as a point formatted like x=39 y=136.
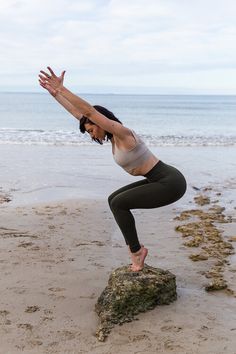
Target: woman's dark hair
x=106 y=113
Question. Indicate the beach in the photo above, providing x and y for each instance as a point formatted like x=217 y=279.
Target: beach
x=59 y=244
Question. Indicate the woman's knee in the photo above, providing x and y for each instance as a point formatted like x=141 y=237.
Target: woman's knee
x=110 y=198
x=115 y=203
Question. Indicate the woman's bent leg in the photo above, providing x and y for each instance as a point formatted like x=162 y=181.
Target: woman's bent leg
x=121 y=190
x=143 y=196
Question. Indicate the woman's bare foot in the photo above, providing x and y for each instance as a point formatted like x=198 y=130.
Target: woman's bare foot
x=138 y=259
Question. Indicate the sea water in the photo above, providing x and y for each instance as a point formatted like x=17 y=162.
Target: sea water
x=161 y=120
x=45 y=157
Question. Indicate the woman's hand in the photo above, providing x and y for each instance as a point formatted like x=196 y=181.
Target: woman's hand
x=52 y=83
x=51 y=90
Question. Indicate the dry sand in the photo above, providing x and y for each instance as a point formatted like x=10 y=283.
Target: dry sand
x=55 y=261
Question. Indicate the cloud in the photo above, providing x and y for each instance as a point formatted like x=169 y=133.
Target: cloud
x=135 y=9
x=106 y=42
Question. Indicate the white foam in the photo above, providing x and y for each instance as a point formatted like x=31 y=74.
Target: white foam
x=75 y=138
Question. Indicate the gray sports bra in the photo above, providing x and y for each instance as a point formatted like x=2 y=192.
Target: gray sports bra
x=133 y=158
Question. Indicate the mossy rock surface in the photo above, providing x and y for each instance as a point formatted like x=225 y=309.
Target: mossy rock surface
x=129 y=293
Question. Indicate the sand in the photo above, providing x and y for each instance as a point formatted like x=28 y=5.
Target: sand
x=55 y=261
x=59 y=243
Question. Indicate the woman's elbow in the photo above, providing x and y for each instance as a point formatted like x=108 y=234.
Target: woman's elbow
x=89 y=112
x=78 y=115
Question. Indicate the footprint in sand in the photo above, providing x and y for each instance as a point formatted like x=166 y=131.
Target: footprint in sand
x=92 y=296
x=17 y=290
x=31 y=309
x=98 y=265
x=68 y=335
x=29 y=244
x=56 y=289
x=54 y=292
x=138 y=337
x=174 y=329
x=51 y=227
x=48 y=315
x=26 y=244
x=47 y=311
x=3 y=317
x=98 y=243
x=63 y=212
x=35 y=342
x=39 y=213
x=171 y=345
x=26 y=326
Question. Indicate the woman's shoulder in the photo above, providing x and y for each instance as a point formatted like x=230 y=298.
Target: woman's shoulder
x=126 y=132
x=127 y=141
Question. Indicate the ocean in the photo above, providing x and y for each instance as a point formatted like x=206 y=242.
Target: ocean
x=161 y=120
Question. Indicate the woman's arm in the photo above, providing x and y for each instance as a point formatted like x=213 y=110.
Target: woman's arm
x=51 y=82
x=60 y=99
x=69 y=107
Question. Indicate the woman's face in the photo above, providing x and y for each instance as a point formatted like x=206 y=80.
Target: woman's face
x=95 y=131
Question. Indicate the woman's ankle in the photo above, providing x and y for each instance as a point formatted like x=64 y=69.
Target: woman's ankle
x=138 y=251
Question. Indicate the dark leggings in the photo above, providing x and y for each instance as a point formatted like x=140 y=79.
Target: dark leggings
x=163 y=185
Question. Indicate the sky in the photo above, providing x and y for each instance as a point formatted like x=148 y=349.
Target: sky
x=120 y=46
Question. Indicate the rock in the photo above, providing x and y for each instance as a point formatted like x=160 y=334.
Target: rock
x=195 y=242
x=4 y=198
x=202 y=200
x=129 y=293
x=196 y=188
x=216 y=284
x=232 y=239
x=187 y=214
x=198 y=257
x=215 y=272
x=207 y=189
x=202 y=231
x=217 y=209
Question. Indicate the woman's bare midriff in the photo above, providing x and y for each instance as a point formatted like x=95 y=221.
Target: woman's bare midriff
x=144 y=168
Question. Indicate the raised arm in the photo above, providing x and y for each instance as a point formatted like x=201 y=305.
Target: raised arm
x=60 y=99
x=51 y=82
x=68 y=106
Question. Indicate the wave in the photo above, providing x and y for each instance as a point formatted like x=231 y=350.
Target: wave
x=75 y=138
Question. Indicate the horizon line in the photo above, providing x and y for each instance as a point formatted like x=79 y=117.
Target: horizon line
x=128 y=93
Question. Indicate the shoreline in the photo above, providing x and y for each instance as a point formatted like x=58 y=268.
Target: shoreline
x=50 y=173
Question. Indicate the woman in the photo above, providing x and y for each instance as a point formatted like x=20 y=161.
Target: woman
x=162 y=185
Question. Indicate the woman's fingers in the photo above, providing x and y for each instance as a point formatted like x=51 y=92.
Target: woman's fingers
x=63 y=74
x=51 y=82
x=47 y=87
x=42 y=77
x=51 y=71
x=45 y=74
x=42 y=83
